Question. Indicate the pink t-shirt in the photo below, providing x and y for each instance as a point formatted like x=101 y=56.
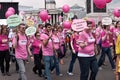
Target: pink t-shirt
x=56 y=41
x=61 y=36
x=48 y=50
x=36 y=46
x=74 y=38
x=112 y=28
x=31 y=39
x=21 y=49
x=98 y=34
x=106 y=42
x=41 y=31
x=4 y=46
x=90 y=40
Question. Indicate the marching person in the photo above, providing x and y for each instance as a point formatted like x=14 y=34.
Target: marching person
x=20 y=43
x=36 y=46
x=57 y=52
x=61 y=36
x=86 y=54
x=106 y=47
x=47 y=50
x=4 y=51
x=11 y=35
x=74 y=47
x=117 y=49
x=98 y=37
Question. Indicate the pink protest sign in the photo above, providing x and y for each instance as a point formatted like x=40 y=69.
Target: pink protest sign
x=78 y=25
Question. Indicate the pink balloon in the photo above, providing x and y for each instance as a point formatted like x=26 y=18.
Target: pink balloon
x=8 y=13
x=100 y=6
x=43 y=20
x=66 y=8
x=108 y=1
x=67 y=24
x=116 y=12
x=43 y=15
x=11 y=9
x=100 y=3
x=49 y=16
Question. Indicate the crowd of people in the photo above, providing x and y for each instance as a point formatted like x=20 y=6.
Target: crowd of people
x=47 y=48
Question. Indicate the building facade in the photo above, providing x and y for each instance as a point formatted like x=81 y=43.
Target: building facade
x=94 y=12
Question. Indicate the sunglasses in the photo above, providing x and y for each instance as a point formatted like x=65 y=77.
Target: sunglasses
x=38 y=35
x=55 y=30
x=23 y=28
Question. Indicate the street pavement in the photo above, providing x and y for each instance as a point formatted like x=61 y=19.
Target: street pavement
x=105 y=74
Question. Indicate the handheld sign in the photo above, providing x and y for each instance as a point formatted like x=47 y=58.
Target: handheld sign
x=106 y=21
x=78 y=25
x=3 y=22
x=13 y=21
x=30 y=31
x=30 y=22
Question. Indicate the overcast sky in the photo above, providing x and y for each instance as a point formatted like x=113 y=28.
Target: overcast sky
x=59 y=3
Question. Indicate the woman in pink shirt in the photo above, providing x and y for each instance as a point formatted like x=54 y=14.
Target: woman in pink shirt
x=98 y=37
x=36 y=46
x=86 y=54
x=57 y=52
x=61 y=36
x=4 y=51
x=74 y=47
x=106 y=47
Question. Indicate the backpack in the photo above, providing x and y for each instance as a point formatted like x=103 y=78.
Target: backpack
x=18 y=37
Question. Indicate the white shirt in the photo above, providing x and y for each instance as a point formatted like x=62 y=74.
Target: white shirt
x=10 y=36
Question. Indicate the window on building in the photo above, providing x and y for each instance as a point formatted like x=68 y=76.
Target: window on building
x=88 y=6
x=95 y=9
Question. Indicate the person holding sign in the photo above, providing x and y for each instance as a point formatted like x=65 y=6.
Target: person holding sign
x=86 y=53
x=20 y=43
x=4 y=51
x=105 y=36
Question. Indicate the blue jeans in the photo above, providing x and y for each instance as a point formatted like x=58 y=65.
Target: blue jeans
x=74 y=56
x=86 y=64
x=21 y=65
x=102 y=57
x=56 y=65
x=48 y=61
